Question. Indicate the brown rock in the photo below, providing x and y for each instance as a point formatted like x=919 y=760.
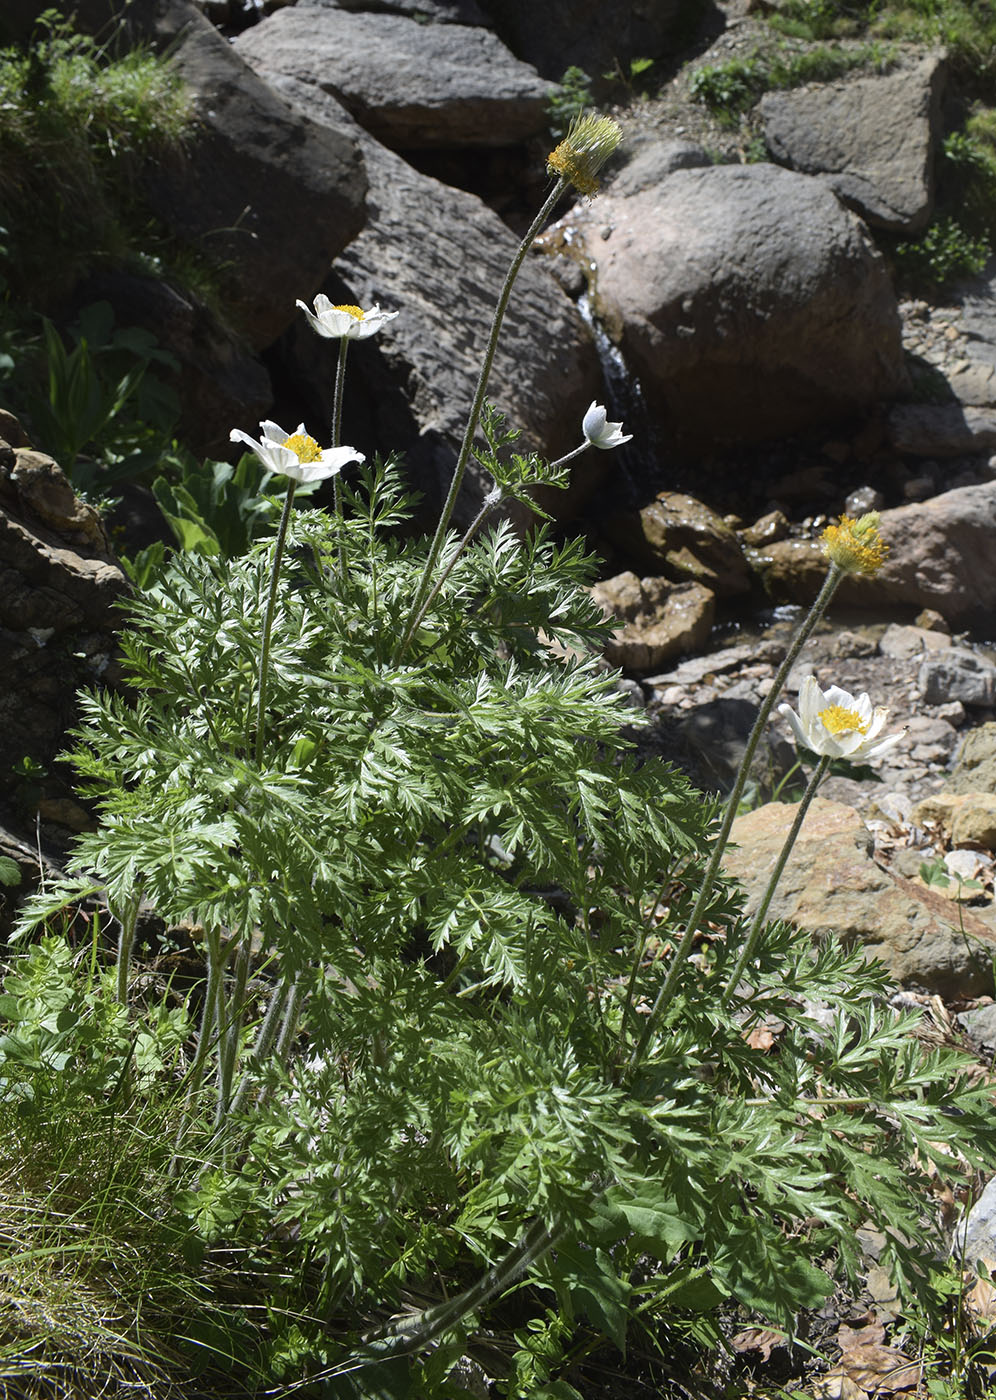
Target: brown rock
x=831 y=884
x=661 y=620
x=677 y=536
x=968 y=818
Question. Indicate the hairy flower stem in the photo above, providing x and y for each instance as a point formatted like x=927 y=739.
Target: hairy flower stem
x=475 y=412
x=686 y=941
x=271 y=603
x=195 y=1075
x=262 y=1045
x=762 y=911
x=340 y=379
x=416 y=1332
x=127 y=919
x=230 y=1032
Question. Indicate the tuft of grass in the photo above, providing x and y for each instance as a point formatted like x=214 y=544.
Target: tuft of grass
x=731 y=89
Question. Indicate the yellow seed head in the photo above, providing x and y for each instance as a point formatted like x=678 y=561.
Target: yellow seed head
x=305 y=448
x=355 y=311
x=584 y=150
x=839 y=720
x=855 y=546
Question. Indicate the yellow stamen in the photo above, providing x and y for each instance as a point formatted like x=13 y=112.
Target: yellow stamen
x=305 y=448
x=355 y=311
x=855 y=546
x=837 y=720
x=585 y=149
x=563 y=162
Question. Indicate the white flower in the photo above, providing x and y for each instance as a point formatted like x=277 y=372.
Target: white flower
x=345 y=322
x=296 y=454
x=834 y=724
x=598 y=432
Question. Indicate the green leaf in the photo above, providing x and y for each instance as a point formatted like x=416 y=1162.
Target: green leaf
x=10 y=872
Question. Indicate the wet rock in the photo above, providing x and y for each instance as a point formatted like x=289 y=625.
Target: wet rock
x=957 y=674
x=975 y=768
x=746 y=286
x=769 y=528
x=831 y=884
x=683 y=539
x=411 y=85
x=871 y=138
x=661 y=619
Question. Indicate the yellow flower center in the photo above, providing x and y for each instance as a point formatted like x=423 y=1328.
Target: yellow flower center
x=305 y=448
x=837 y=720
x=855 y=546
x=355 y=311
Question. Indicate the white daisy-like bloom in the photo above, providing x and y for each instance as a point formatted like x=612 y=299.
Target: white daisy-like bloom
x=836 y=724
x=296 y=454
x=600 y=433
x=345 y=322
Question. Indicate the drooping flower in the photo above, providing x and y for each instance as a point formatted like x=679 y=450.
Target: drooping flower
x=345 y=322
x=855 y=546
x=588 y=144
x=600 y=433
x=836 y=724
x=296 y=454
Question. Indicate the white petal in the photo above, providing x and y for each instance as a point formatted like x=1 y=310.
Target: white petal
x=811 y=701
x=801 y=736
x=836 y=696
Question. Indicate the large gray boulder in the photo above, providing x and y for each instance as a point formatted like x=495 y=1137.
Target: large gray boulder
x=410 y=85
x=747 y=299
x=872 y=138
x=438 y=256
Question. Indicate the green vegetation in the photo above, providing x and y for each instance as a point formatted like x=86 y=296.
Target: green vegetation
x=731 y=89
x=74 y=125
x=966 y=28
x=568 y=101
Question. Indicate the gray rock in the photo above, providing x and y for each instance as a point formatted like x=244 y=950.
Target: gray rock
x=652 y=161
x=901 y=642
x=980 y=1025
x=941 y=429
x=439 y=256
x=872 y=138
x=975 y=1236
x=748 y=287
x=831 y=884
x=975 y=766
x=410 y=85
x=957 y=674
x=437 y=11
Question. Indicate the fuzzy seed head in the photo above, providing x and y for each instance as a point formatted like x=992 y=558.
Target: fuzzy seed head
x=584 y=150
x=855 y=546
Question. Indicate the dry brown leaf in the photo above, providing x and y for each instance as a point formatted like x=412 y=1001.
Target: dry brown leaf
x=761 y=1339
x=837 y=1385
x=981 y=1297
x=848 y=1337
x=760 y=1038
x=880 y=1369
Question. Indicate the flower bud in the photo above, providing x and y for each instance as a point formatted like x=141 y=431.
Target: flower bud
x=855 y=546
x=584 y=150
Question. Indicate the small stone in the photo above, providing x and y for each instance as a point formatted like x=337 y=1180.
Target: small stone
x=932 y=621
x=863 y=500
x=957 y=674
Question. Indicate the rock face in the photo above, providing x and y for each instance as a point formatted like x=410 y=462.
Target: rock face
x=591 y=34
x=410 y=85
x=831 y=884
x=58 y=584
x=872 y=139
x=439 y=255
x=745 y=289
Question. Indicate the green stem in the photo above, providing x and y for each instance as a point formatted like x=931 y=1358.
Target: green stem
x=416 y=1332
x=262 y=1045
x=340 y=379
x=475 y=410
x=127 y=925
x=271 y=603
x=681 y=952
x=230 y=1031
x=762 y=910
